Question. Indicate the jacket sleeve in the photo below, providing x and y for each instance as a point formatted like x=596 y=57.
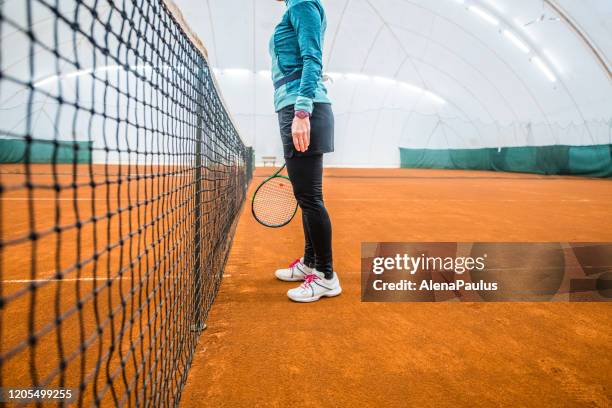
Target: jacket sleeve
x=306 y=20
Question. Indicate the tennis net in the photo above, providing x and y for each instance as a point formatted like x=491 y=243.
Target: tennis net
x=122 y=176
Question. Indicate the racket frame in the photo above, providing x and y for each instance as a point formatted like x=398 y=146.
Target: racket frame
x=275 y=175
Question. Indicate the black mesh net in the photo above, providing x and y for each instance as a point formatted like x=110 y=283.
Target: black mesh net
x=121 y=179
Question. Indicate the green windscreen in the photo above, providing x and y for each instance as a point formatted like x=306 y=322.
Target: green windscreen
x=593 y=161
x=44 y=151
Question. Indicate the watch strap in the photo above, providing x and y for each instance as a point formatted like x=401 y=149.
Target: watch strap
x=302 y=114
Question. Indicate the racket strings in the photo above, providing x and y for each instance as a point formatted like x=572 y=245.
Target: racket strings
x=274 y=203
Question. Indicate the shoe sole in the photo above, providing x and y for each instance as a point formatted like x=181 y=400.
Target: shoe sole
x=332 y=293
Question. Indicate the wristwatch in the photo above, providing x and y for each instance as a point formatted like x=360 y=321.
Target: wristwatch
x=302 y=114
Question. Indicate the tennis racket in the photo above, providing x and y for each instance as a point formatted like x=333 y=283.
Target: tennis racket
x=274 y=204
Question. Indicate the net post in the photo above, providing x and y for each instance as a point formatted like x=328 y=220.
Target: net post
x=250 y=163
x=197 y=324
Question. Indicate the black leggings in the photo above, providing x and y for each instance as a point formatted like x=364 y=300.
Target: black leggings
x=306 y=175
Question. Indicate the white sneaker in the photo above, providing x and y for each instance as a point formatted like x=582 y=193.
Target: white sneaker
x=315 y=286
x=297 y=271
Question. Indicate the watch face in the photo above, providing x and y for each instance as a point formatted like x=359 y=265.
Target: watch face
x=301 y=114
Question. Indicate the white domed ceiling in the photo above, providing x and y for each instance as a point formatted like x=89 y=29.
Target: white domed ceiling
x=436 y=74
x=428 y=73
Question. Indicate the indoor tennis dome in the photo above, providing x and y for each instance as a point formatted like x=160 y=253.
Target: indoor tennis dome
x=133 y=245
x=517 y=85
x=514 y=85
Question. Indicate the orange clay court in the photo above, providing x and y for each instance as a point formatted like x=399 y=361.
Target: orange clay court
x=341 y=352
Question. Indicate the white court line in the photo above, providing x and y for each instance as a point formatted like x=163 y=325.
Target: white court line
x=59 y=280
x=70 y=280
x=54 y=199
x=468 y=200
x=400 y=200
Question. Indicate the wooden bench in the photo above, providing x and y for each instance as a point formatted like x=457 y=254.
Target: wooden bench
x=269 y=159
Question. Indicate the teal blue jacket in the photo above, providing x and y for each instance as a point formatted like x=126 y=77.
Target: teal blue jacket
x=297 y=46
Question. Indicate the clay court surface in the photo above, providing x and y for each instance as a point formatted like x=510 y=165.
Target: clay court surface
x=132 y=271
x=263 y=350
x=260 y=349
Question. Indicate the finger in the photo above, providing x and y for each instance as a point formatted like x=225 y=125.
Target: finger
x=300 y=145
x=296 y=143
x=295 y=134
x=301 y=141
x=307 y=140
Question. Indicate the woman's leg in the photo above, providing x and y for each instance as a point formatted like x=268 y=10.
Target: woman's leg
x=309 y=254
x=306 y=174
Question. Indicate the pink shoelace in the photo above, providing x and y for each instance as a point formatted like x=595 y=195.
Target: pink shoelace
x=292 y=264
x=311 y=277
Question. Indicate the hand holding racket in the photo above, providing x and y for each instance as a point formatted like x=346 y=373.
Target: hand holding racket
x=274 y=204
